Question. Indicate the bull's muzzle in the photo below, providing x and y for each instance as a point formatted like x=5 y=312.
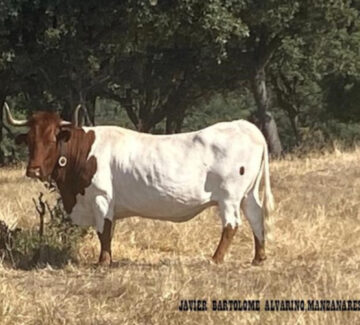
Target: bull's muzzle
x=33 y=172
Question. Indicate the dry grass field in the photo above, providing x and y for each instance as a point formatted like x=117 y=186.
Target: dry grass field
x=314 y=254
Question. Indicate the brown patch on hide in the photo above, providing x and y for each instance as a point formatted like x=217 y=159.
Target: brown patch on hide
x=79 y=170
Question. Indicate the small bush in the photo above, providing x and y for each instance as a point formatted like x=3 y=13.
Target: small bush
x=53 y=243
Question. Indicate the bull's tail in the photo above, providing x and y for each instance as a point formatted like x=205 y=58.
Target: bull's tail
x=268 y=199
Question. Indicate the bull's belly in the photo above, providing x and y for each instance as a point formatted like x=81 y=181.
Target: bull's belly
x=92 y=208
x=175 y=211
x=166 y=198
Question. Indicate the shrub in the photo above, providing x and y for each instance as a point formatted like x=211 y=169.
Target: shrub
x=53 y=243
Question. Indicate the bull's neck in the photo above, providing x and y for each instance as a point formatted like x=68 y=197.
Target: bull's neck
x=77 y=174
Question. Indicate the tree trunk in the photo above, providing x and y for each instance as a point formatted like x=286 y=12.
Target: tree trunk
x=85 y=114
x=176 y=107
x=67 y=110
x=285 y=93
x=267 y=122
x=292 y=119
x=2 y=127
x=144 y=126
x=175 y=119
x=91 y=105
x=2 y=99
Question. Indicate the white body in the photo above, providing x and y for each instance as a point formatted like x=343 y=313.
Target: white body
x=174 y=177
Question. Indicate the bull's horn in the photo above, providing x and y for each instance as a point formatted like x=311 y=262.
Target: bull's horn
x=65 y=123
x=76 y=115
x=11 y=120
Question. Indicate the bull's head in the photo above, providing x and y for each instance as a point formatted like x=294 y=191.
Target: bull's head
x=47 y=132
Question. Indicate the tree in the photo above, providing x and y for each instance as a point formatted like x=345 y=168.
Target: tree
x=324 y=46
x=165 y=66
x=273 y=26
x=157 y=59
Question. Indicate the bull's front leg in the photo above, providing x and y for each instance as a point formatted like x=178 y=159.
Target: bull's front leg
x=105 y=243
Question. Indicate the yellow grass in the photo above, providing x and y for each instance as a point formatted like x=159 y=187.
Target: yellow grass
x=315 y=254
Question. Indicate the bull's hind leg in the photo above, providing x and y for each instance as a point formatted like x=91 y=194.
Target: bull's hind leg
x=230 y=217
x=253 y=211
x=105 y=243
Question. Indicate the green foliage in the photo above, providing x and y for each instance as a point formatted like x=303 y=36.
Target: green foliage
x=219 y=108
x=342 y=98
x=328 y=136
x=160 y=61
x=8 y=151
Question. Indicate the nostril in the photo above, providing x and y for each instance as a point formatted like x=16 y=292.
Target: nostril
x=33 y=172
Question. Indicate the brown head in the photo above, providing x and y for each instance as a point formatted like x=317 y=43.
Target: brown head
x=47 y=133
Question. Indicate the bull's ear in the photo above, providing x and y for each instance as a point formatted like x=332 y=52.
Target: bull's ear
x=21 y=139
x=64 y=135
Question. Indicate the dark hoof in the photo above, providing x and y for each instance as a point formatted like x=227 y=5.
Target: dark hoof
x=217 y=260
x=258 y=261
x=104 y=263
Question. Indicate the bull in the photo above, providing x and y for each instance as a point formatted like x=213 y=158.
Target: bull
x=105 y=173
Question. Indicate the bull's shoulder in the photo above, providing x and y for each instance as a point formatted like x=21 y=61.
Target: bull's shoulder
x=110 y=137
x=110 y=130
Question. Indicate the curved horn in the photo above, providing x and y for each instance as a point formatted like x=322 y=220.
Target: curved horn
x=11 y=120
x=65 y=123
x=76 y=115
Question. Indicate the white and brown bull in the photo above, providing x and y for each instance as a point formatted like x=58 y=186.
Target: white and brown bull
x=106 y=173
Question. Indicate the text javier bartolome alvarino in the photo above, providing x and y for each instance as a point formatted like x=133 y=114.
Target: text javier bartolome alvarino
x=269 y=305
